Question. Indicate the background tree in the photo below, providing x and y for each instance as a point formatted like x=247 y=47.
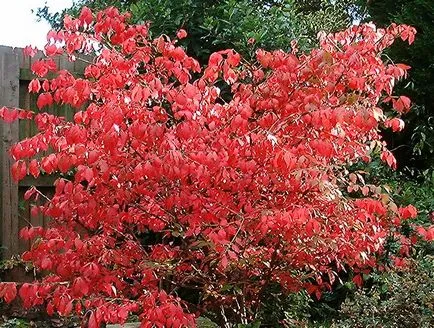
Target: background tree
x=415 y=144
x=214 y=25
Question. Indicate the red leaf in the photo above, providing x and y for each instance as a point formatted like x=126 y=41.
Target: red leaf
x=80 y=287
x=50 y=308
x=92 y=321
x=289 y=160
x=34 y=168
x=178 y=54
x=402 y=105
x=46 y=85
x=429 y=236
x=88 y=174
x=34 y=86
x=8 y=291
x=86 y=16
x=29 y=193
x=408 y=212
x=8 y=115
x=91 y=270
x=44 y=99
x=64 y=163
x=233 y=58
x=224 y=262
x=318 y=294
x=395 y=123
x=215 y=59
x=358 y=280
x=30 y=51
x=11 y=293
x=93 y=156
x=387 y=156
x=312 y=227
x=19 y=170
x=27 y=294
x=46 y=263
x=34 y=211
x=181 y=34
x=68 y=308
x=49 y=163
x=40 y=68
x=51 y=50
x=24 y=233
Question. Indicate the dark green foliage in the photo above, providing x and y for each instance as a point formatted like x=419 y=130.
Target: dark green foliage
x=414 y=146
x=396 y=299
x=278 y=307
x=214 y=25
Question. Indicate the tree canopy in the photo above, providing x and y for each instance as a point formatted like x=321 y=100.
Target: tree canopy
x=224 y=24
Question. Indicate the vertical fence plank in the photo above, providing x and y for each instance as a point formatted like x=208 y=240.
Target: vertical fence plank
x=15 y=75
x=9 y=96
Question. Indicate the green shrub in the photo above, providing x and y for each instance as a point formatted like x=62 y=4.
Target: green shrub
x=395 y=299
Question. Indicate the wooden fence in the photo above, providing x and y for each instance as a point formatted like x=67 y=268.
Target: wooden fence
x=15 y=75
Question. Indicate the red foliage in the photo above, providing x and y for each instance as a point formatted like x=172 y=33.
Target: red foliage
x=166 y=186
x=8 y=291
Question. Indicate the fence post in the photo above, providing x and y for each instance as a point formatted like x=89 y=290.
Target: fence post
x=9 y=134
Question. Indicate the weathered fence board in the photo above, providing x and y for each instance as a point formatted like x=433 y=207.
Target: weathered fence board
x=15 y=75
x=9 y=96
